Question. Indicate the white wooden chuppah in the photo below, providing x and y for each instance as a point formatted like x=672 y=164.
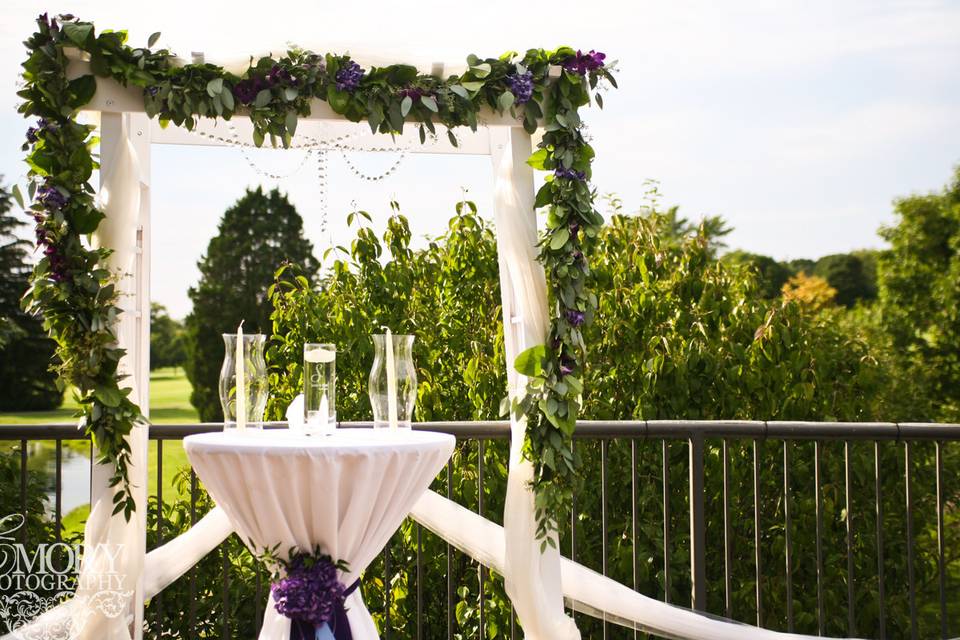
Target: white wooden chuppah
x=539 y=583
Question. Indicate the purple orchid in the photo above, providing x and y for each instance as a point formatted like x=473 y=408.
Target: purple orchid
x=349 y=76
x=310 y=592
x=521 y=85
x=583 y=63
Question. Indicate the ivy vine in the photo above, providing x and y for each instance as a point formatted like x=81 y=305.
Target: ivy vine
x=76 y=294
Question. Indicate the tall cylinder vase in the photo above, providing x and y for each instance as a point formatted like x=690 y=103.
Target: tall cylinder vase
x=393 y=381
x=256 y=385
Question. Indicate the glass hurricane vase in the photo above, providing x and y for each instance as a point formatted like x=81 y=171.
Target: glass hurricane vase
x=256 y=386
x=402 y=383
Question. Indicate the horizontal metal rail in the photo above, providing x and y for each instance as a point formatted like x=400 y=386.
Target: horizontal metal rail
x=694 y=433
x=586 y=429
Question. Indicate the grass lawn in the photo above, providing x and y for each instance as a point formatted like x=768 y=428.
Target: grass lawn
x=169 y=403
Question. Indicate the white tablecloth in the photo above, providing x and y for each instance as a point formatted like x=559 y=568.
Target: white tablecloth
x=347 y=492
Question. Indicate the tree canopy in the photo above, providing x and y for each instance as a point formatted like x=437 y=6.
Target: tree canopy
x=258 y=234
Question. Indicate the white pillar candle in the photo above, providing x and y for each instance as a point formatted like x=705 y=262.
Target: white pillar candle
x=391 y=382
x=241 y=403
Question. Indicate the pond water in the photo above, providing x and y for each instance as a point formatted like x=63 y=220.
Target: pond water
x=75 y=474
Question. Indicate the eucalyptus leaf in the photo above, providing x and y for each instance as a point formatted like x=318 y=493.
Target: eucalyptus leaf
x=430 y=103
x=214 y=87
x=405 y=105
x=291 y=122
x=17 y=195
x=263 y=98
x=152 y=40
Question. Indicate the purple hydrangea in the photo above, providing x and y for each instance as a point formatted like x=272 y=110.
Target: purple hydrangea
x=570 y=174
x=278 y=74
x=521 y=85
x=567 y=365
x=574 y=316
x=310 y=592
x=583 y=63
x=348 y=77
x=51 y=197
x=246 y=91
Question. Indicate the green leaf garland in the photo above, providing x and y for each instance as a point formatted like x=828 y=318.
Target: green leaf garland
x=76 y=294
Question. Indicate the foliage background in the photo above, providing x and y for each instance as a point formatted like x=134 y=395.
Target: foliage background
x=255 y=235
x=26 y=382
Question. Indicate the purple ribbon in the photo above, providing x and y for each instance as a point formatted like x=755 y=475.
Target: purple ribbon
x=339 y=625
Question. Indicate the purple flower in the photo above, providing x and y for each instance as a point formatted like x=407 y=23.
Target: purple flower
x=279 y=74
x=574 y=316
x=578 y=256
x=521 y=85
x=246 y=90
x=310 y=592
x=348 y=77
x=42 y=125
x=583 y=63
x=414 y=93
x=570 y=174
x=153 y=91
x=567 y=365
x=51 y=197
x=50 y=24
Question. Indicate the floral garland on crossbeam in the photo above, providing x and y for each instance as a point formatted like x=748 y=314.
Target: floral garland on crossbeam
x=76 y=294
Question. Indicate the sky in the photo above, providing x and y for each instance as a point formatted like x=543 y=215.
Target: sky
x=798 y=121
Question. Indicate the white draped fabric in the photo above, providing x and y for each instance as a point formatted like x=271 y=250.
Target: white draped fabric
x=113 y=546
x=531 y=578
x=584 y=590
x=347 y=493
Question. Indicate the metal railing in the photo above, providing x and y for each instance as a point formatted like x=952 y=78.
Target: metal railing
x=635 y=433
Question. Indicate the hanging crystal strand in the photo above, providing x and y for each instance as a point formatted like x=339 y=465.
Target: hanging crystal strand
x=322 y=168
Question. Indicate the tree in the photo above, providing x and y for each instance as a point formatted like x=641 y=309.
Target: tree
x=847 y=274
x=258 y=234
x=26 y=382
x=812 y=292
x=166 y=339
x=771 y=275
x=919 y=293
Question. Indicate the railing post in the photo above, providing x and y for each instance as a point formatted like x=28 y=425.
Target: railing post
x=698 y=535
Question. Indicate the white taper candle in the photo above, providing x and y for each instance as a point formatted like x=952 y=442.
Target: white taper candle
x=391 y=382
x=241 y=403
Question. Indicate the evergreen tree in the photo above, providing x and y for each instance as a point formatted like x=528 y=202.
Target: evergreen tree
x=26 y=382
x=259 y=233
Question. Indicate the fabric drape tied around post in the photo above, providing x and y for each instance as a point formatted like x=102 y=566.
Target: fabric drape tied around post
x=337 y=629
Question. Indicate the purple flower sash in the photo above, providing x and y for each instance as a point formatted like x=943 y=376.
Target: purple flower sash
x=338 y=627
